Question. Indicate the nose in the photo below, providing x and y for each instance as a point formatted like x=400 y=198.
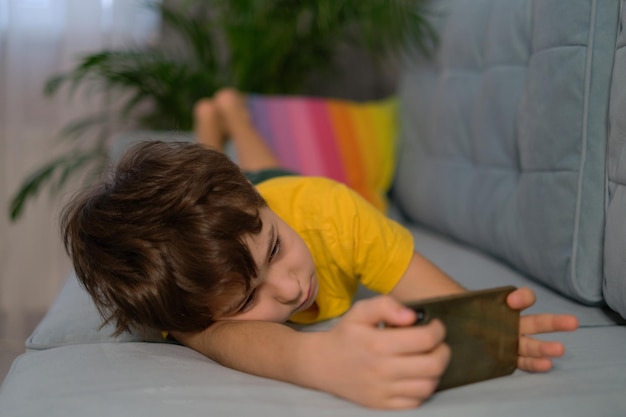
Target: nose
x=285 y=288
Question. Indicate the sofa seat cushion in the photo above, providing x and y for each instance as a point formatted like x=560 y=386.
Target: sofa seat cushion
x=148 y=379
x=476 y=270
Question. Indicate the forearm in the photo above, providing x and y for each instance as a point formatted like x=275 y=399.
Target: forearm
x=357 y=360
x=423 y=279
x=265 y=349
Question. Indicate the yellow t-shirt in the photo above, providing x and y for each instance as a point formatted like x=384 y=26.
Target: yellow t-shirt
x=350 y=240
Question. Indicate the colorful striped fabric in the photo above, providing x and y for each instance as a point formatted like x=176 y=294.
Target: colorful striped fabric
x=353 y=143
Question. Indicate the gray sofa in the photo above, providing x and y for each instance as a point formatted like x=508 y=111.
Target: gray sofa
x=511 y=170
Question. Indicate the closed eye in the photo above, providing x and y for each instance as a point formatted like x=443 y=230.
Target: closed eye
x=275 y=249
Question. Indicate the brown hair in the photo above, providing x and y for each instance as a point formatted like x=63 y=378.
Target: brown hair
x=159 y=244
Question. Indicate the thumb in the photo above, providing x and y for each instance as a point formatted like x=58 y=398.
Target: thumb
x=379 y=309
x=521 y=299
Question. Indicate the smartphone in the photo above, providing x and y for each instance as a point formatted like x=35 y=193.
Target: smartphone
x=481 y=330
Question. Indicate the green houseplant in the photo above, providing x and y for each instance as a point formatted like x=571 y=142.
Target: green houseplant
x=259 y=46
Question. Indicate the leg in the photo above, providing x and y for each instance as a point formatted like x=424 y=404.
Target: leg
x=253 y=154
x=208 y=125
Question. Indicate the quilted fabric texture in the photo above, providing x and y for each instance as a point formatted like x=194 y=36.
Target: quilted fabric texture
x=511 y=127
x=353 y=143
x=615 y=238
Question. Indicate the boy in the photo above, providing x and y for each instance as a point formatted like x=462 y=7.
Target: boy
x=178 y=240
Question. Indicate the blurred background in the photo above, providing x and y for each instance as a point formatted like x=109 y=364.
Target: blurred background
x=74 y=73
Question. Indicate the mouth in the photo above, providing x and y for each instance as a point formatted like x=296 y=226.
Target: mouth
x=305 y=304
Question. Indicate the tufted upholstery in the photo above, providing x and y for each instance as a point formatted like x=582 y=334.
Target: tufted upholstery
x=512 y=125
x=615 y=246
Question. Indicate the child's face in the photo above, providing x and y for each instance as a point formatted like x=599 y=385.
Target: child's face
x=286 y=282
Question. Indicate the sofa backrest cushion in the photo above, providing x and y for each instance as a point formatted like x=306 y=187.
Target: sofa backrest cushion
x=615 y=243
x=503 y=134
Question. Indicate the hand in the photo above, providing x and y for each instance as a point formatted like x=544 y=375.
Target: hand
x=390 y=368
x=534 y=354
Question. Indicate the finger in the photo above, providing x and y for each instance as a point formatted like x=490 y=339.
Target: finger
x=529 y=347
x=534 y=364
x=429 y=365
x=409 y=340
x=420 y=389
x=521 y=299
x=381 y=309
x=546 y=323
x=402 y=403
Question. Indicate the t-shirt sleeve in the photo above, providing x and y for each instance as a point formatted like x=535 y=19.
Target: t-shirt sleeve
x=382 y=247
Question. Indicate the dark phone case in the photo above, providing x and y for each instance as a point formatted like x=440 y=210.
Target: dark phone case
x=481 y=330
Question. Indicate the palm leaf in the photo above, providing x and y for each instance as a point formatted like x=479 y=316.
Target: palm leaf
x=77 y=128
x=67 y=165
x=196 y=32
